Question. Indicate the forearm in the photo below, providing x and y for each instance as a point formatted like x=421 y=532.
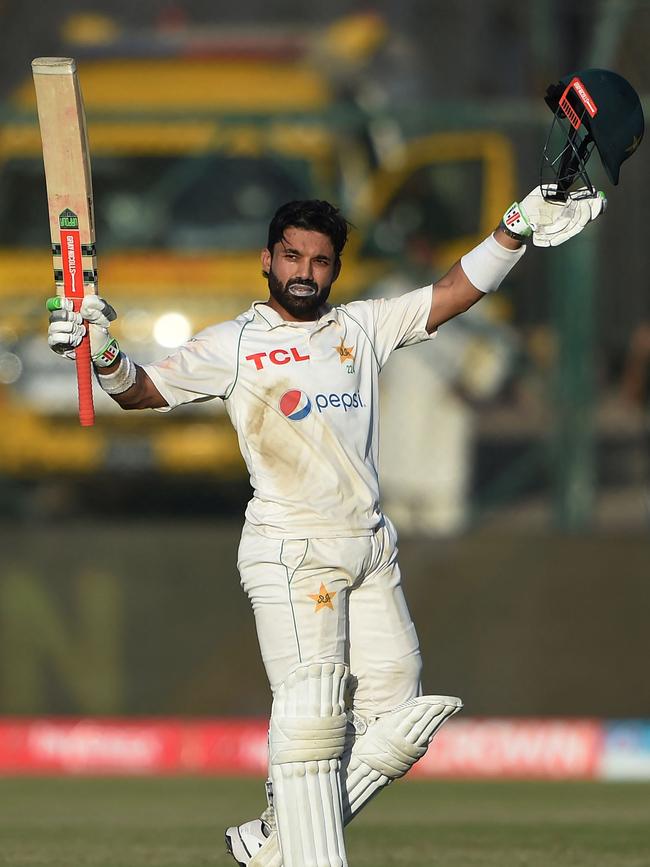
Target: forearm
x=476 y=274
x=452 y=294
x=507 y=241
x=546 y=221
x=129 y=386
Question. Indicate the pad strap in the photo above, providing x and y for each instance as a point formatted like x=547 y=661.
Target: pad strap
x=296 y=735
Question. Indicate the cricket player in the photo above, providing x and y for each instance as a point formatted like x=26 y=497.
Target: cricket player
x=318 y=558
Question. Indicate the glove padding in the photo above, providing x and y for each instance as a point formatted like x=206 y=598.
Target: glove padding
x=551 y=223
x=67 y=328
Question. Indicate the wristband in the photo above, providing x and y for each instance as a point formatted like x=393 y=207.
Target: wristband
x=487 y=265
x=120 y=379
x=511 y=234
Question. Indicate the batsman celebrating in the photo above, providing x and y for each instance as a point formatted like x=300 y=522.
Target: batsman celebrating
x=318 y=558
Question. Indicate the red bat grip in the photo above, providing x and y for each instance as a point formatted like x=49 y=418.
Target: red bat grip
x=73 y=287
x=85 y=379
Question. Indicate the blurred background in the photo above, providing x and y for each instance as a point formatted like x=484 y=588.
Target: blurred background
x=514 y=448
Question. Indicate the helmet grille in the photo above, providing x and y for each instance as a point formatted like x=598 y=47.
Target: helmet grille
x=566 y=152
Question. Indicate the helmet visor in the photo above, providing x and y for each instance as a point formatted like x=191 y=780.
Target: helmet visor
x=563 y=171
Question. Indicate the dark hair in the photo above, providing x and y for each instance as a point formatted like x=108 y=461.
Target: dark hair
x=312 y=214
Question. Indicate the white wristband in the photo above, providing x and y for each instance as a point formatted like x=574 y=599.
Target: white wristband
x=120 y=379
x=487 y=265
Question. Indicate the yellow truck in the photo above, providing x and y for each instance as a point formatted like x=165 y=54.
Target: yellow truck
x=191 y=154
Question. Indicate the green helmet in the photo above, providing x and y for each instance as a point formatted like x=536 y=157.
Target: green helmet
x=595 y=107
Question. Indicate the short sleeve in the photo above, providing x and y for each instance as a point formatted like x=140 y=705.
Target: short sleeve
x=201 y=369
x=395 y=322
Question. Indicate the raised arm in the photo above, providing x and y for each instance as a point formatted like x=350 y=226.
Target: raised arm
x=546 y=221
x=455 y=292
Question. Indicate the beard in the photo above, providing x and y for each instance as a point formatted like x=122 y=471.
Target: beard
x=300 y=306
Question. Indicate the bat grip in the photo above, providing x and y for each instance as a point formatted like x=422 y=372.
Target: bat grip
x=84 y=378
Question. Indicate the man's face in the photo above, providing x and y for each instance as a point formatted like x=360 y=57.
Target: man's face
x=301 y=269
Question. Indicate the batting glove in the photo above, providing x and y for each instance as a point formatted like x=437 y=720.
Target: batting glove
x=551 y=223
x=67 y=328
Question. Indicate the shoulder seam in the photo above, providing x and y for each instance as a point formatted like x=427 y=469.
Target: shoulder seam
x=372 y=345
x=239 y=340
x=262 y=315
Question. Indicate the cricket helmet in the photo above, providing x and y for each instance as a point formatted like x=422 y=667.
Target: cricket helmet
x=593 y=108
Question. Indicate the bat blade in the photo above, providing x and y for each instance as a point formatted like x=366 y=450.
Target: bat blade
x=66 y=158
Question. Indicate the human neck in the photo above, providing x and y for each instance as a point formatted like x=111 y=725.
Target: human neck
x=289 y=317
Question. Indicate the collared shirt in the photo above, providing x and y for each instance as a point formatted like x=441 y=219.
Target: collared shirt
x=303 y=399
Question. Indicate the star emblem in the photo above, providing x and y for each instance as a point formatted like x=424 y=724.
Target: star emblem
x=346 y=353
x=636 y=141
x=323 y=598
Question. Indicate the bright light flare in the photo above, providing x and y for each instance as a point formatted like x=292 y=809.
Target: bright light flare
x=171 y=330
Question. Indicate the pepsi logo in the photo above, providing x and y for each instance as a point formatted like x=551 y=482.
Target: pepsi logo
x=295 y=404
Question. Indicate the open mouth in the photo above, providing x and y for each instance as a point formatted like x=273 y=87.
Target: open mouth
x=300 y=290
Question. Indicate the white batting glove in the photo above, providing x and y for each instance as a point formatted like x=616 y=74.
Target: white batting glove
x=67 y=329
x=551 y=223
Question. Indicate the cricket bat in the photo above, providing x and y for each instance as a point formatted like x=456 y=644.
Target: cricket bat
x=66 y=158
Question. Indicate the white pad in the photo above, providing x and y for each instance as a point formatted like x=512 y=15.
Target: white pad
x=391 y=745
x=386 y=750
x=269 y=855
x=306 y=740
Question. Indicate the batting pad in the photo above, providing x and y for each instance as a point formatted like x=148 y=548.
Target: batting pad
x=390 y=746
x=269 y=855
x=385 y=751
x=306 y=740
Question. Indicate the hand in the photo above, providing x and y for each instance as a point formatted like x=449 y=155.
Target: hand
x=67 y=329
x=551 y=223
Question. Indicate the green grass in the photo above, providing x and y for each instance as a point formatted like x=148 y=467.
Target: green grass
x=170 y=822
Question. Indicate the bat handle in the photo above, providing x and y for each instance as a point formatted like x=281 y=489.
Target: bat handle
x=85 y=381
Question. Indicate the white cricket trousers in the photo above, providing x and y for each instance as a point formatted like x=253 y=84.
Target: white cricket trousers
x=334 y=600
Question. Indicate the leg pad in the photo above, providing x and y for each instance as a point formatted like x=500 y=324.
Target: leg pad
x=387 y=749
x=306 y=740
x=391 y=745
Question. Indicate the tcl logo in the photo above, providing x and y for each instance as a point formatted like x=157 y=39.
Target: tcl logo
x=276 y=356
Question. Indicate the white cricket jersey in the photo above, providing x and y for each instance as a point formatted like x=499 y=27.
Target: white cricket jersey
x=303 y=398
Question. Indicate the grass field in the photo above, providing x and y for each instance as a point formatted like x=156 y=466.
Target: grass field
x=170 y=822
